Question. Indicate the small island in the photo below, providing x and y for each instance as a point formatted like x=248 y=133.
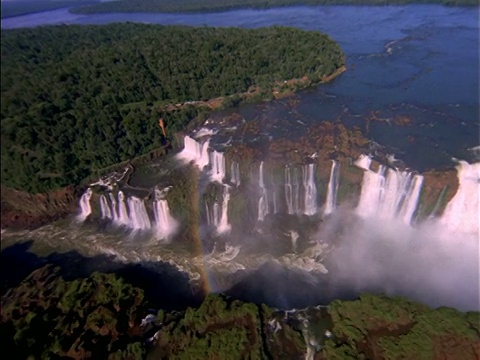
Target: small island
x=76 y=99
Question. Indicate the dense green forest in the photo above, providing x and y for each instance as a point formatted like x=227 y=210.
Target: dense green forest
x=100 y=317
x=76 y=99
x=174 y=6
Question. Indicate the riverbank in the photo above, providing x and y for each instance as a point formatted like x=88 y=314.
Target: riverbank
x=209 y=6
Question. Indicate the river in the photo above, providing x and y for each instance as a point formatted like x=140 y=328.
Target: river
x=417 y=61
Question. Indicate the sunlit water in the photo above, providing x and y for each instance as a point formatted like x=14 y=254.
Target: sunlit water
x=416 y=61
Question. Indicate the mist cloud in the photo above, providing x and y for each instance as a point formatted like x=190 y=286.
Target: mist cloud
x=427 y=263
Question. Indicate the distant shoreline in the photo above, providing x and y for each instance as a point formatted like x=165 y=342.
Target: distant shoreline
x=213 y=6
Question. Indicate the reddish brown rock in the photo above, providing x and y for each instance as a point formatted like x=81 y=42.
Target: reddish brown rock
x=23 y=210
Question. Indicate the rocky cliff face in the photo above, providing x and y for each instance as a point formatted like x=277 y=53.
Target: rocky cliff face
x=23 y=210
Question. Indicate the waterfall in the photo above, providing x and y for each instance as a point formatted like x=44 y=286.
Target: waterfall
x=294 y=237
x=165 y=224
x=216 y=214
x=223 y=225
x=114 y=207
x=275 y=208
x=363 y=162
x=288 y=191
x=410 y=203
x=292 y=195
x=310 y=189
x=85 y=207
x=209 y=216
x=462 y=211
x=296 y=192
x=263 y=201
x=122 y=210
x=436 y=208
x=218 y=166
x=331 y=201
x=389 y=194
x=213 y=214
x=105 y=208
x=138 y=217
x=196 y=152
x=235 y=173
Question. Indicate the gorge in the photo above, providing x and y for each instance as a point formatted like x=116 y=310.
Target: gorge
x=365 y=184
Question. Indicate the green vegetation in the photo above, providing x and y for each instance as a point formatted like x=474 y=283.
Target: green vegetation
x=396 y=328
x=48 y=317
x=219 y=328
x=99 y=318
x=76 y=99
x=172 y=6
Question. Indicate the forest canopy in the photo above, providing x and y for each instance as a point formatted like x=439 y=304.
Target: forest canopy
x=76 y=99
x=174 y=6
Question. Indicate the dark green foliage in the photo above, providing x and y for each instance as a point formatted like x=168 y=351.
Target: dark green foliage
x=396 y=328
x=48 y=317
x=173 y=6
x=219 y=329
x=76 y=99
x=98 y=318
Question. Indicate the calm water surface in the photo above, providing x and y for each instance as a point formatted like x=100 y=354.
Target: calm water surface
x=419 y=61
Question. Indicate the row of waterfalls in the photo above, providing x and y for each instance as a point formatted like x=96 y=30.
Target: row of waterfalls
x=386 y=193
x=131 y=212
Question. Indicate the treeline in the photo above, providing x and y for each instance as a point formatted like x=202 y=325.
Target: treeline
x=76 y=99
x=174 y=6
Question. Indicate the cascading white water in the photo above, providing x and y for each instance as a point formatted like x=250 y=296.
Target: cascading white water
x=263 y=201
x=389 y=194
x=363 y=162
x=462 y=211
x=294 y=237
x=165 y=224
x=205 y=132
x=331 y=201
x=235 y=173
x=209 y=215
x=223 y=225
x=275 y=208
x=292 y=191
x=410 y=202
x=114 y=207
x=137 y=214
x=218 y=166
x=296 y=192
x=122 y=210
x=196 y=152
x=216 y=214
x=288 y=191
x=85 y=207
x=105 y=211
x=310 y=189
